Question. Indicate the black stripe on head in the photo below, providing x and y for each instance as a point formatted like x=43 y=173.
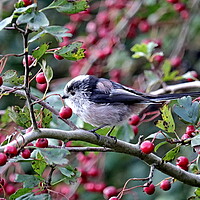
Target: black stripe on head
x=84 y=83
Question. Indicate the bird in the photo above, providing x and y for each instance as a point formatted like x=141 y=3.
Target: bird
x=102 y=102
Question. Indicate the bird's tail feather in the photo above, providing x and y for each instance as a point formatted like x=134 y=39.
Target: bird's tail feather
x=175 y=96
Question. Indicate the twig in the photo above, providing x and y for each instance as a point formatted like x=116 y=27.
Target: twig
x=42 y=103
x=26 y=80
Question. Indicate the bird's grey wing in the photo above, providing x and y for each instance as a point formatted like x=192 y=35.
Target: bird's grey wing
x=109 y=92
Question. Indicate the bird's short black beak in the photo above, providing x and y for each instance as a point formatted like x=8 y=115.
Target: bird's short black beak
x=65 y=96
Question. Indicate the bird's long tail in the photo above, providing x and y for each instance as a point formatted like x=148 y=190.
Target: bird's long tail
x=175 y=96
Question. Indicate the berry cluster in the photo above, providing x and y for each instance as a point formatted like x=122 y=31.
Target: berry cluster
x=189 y=133
x=181 y=8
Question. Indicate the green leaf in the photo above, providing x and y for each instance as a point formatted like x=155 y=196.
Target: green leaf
x=37 y=36
x=159 y=145
x=20 y=192
x=66 y=171
x=58 y=32
x=158 y=135
x=73 y=7
x=197 y=192
x=38 y=21
x=21 y=116
x=48 y=72
x=11 y=77
x=170 y=155
x=25 y=18
x=143 y=50
x=68 y=7
x=167 y=123
x=55 y=156
x=72 y=51
x=168 y=75
x=125 y=133
x=46 y=118
x=39 y=52
x=40 y=164
x=24 y=9
x=29 y=181
x=187 y=110
x=32 y=196
x=195 y=141
x=140 y=50
x=151 y=47
x=27 y=196
x=5 y=22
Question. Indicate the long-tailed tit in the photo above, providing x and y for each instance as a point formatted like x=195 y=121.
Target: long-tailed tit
x=101 y=102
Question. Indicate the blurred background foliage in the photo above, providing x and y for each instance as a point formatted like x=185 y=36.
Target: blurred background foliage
x=108 y=30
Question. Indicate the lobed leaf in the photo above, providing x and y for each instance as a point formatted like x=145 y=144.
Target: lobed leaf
x=167 y=123
x=40 y=164
x=68 y=7
x=72 y=51
x=187 y=110
x=170 y=155
x=54 y=156
x=29 y=181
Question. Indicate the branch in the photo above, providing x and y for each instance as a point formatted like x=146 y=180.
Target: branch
x=174 y=88
x=107 y=142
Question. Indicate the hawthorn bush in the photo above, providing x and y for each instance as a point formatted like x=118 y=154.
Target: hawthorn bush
x=47 y=152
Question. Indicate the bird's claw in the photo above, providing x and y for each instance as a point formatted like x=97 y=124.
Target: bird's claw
x=96 y=134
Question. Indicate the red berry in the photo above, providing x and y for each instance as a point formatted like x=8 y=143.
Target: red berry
x=172 y=1
x=109 y=192
x=144 y=26
x=149 y=189
x=147 y=147
x=30 y=60
x=41 y=87
x=165 y=185
x=40 y=78
x=26 y=153
x=1 y=80
x=99 y=187
x=182 y=162
x=134 y=120
x=185 y=14
x=179 y=7
x=90 y=187
x=135 y=129
x=10 y=151
x=3 y=159
x=42 y=143
x=2 y=182
x=175 y=61
x=10 y=189
x=189 y=130
x=93 y=172
x=65 y=112
x=185 y=136
x=113 y=198
x=58 y=57
x=158 y=58
x=27 y=2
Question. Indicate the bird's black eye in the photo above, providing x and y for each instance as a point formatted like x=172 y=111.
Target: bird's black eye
x=72 y=93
